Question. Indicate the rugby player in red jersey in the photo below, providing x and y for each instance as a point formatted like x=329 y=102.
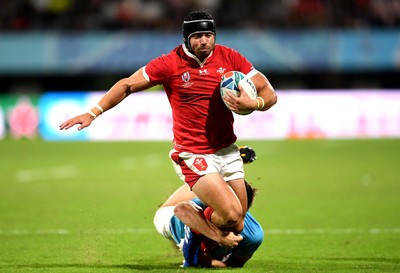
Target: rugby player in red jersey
x=204 y=153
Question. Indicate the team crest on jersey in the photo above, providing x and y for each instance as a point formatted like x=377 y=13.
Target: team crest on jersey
x=186 y=80
x=221 y=70
x=200 y=163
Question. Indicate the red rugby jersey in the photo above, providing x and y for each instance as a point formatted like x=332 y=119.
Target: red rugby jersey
x=201 y=121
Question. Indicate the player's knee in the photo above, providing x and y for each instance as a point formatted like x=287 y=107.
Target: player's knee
x=183 y=208
x=180 y=210
x=233 y=219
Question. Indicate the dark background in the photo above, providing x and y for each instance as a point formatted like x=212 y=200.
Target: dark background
x=151 y=15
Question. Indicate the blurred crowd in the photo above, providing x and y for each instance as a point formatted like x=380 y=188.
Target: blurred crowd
x=81 y=15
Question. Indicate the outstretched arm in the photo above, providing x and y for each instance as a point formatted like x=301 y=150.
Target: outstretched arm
x=121 y=89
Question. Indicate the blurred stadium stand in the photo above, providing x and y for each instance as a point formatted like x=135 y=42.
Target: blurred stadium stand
x=323 y=27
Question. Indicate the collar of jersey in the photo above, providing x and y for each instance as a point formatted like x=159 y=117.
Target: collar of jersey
x=195 y=57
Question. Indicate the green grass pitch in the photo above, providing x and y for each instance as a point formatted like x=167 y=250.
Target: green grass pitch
x=325 y=206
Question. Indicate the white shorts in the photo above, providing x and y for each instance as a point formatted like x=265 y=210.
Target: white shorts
x=190 y=167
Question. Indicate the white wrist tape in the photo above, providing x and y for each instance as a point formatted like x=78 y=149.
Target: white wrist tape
x=100 y=108
x=92 y=114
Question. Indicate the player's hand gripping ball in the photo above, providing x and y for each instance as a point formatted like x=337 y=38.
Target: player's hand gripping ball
x=231 y=81
x=247 y=154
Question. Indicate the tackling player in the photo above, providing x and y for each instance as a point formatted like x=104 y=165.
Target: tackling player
x=207 y=246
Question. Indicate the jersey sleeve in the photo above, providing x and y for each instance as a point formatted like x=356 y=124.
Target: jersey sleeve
x=159 y=70
x=253 y=236
x=240 y=62
x=199 y=202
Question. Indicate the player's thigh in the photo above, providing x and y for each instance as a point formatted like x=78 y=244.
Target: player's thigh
x=239 y=188
x=183 y=193
x=215 y=192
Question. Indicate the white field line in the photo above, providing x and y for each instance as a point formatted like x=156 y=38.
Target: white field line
x=63 y=231
x=56 y=173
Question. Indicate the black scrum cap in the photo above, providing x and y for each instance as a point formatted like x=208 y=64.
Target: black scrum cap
x=196 y=22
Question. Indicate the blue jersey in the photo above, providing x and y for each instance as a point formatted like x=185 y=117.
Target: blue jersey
x=252 y=234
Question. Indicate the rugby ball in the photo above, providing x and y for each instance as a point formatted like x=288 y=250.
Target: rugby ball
x=230 y=82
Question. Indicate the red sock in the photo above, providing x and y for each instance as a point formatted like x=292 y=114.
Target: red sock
x=207 y=213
